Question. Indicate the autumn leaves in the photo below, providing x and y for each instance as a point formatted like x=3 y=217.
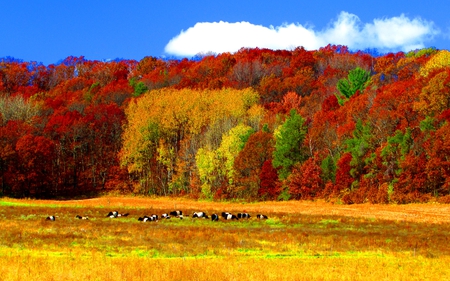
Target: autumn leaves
x=257 y=124
x=187 y=130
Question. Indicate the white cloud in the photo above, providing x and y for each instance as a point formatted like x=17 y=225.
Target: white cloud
x=387 y=34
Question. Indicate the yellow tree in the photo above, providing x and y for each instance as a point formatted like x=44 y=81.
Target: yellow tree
x=216 y=167
x=440 y=60
x=166 y=127
x=435 y=96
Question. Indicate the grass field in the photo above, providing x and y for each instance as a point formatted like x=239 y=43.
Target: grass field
x=299 y=241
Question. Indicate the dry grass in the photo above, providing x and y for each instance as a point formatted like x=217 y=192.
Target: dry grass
x=428 y=213
x=300 y=241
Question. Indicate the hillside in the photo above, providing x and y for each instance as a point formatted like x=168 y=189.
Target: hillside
x=254 y=125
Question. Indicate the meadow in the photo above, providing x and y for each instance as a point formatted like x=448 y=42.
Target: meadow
x=301 y=240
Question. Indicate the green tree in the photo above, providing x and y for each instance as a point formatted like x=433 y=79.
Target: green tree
x=394 y=153
x=329 y=167
x=139 y=87
x=288 y=144
x=359 y=146
x=357 y=81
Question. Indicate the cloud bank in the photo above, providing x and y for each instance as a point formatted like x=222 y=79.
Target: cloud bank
x=386 y=34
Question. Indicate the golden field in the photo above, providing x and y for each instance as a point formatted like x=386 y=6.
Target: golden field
x=300 y=241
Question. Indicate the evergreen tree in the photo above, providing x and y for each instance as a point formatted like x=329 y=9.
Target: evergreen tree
x=288 y=144
x=356 y=81
x=359 y=146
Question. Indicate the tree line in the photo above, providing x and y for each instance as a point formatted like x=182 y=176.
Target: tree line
x=258 y=124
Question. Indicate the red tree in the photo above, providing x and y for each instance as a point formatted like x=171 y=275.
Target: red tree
x=269 y=187
x=36 y=154
x=305 y=182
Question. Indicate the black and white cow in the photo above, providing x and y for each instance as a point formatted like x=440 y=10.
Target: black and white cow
x=115 y=214
x=165 y=216
x=144 y=219
x=176 y=213
x=82 y=218
x=51 y=218
x=229 y=216
x=261 y=217
x=214 y=217
x=148 y=218
x=200 y=215
x=112 y=214
x=243 y=215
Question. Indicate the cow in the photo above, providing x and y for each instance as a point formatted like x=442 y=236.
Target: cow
x=261 y=217
x=176 y=213
x=82 y=218
x=144 y=218
x=51 y=218
x=229 y=216
x=112 y=214
x=115 y=214
x=165 y=216
x=214 y=217
x=148 y=218
x=243 y=215
x=200 y=215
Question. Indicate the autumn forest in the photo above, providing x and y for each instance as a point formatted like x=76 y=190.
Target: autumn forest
x=259 y=124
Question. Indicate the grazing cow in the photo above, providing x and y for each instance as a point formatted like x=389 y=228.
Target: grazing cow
x=243 y=215
x=176 y=213
x=144 y=218
x=200 y=215
x=261 y=217
x=51 y=218
x=115 y=214
x=148 y=218
x=229 y=216
x=214 y=217
x=112 y=214
x=82 y=218
x=165 y=216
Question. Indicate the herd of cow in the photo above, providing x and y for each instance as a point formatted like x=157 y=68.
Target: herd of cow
x=202 y=215
x=175 y=214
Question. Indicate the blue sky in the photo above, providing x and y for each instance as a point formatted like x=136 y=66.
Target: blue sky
x=48 y=31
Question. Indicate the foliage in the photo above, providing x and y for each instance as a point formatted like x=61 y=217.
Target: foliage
x=17 y=109
x=218 y=165
x=161 y=121
x=250 y=167
x=328 y=167
x=305 y=182
x=139 y=87
x=439 y=60
x=422 y=52
x=435 y=96
x=288 y=144
x=358 y=147
x=357 y=81
x=269 y=181
x=368 y=127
